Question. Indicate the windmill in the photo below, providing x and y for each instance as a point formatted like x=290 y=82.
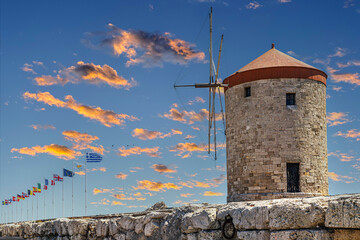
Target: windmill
x=214 y=85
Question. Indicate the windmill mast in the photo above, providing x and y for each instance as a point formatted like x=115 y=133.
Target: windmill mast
x=213 y=85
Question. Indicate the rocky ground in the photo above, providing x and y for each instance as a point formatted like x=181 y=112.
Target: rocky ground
x=333 y=217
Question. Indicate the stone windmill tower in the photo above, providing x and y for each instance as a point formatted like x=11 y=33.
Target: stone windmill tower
x=276 y=129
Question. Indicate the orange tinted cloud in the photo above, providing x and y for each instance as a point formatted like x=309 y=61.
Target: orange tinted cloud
x=349 y=64
x=56 y=150
x=197 y=99
x=352 y=78
x=122 y=197
x=353 y=133
x=344 y=157
x=161 y=168
x=97 y=191
x=88 y=72
x=186 y=194
x=144 y=134
x=189 y=117
x=107 y=117
x=101 y=169
x=339 y=52
x=152 y=152
x=43 y=127
x=121 y=176
x=211 y=194
x=150 y=49
x=340 y=178
x=117 y=203
x=185 y=149
x=220 y=179
x=82 y=140
x=156 y=186
x=337 y=118
x=28 y=68
x=81 y=173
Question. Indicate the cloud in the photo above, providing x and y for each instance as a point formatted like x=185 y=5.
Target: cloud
x=352 y=78
x=337 y=118
x=197 y=99
x=189 y=136
x=121 y=176
x=161 y=168
x=353 y=133
x=220 y=179
x=43 y=127
x=195 y=128
x=185 y=149
x=188 y=117
x=87 y=72
x=212 y=194
x=106 y=117
x=339 y=178
x=82 y=141
x=156 y=186
x=28 y=68
x=117 y=203
x=186 y=194
x=149 y=49
x=253 y=5
x=349 y=3
x=284 y=1
x=122 y=197
x=344 y=157
x=336 y=88
x=349 y=64
x=194 y=183
x=339 y=52
x=151 y=7
x=103 y=201
x=81 y=173
x=101 y=169
x=152 y=152
x=145 y=134
x=97 y=191
x=56 y=150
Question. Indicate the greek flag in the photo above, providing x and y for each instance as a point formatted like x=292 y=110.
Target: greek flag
x=93 y=157
x=68 y=173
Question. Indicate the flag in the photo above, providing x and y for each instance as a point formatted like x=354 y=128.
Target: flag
x=3 y=202
x=46 y=182
x=79 y=166
x=45 y=187
x=57 y=178
x=20 y=197
x=52 y=182
x=35 y=189
x=39 y=187
x=29 y=193
x=14 y=198
x=68 y=173
x=24 y=195
x=93 y=157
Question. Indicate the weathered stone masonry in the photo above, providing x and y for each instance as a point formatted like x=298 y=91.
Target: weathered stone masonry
x=263 y=134
x=317 y=218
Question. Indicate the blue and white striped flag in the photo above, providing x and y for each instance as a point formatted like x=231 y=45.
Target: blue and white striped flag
x=93 y=157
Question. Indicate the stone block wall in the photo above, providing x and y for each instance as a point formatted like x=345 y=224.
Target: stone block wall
x=263 y=135
x=319 y=218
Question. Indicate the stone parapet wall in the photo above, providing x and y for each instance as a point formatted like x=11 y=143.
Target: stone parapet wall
x=319 y=218
x=263 y=134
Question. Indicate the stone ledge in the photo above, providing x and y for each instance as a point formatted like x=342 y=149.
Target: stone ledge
x=332 y=217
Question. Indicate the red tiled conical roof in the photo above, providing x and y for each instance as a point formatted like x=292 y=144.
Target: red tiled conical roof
x=275 y=64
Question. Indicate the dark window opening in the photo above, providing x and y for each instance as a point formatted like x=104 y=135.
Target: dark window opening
x=290 y=99
x=247 y=92
x=293 y=178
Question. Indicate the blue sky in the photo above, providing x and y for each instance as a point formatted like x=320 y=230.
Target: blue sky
x=99 y=76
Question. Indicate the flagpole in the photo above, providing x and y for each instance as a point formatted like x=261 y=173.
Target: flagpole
x=63 y=197
x=44 y=204
x=27 y=210
x=53 y=201
x=72 y=190
x=37 y=206
x=32 y=208
x=85 y=185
